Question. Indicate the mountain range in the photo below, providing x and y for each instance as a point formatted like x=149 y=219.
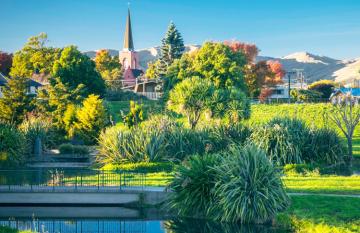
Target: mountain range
x=315 y=67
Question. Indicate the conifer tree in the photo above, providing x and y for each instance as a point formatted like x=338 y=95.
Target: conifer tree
x=16 y=101
x=172 y=48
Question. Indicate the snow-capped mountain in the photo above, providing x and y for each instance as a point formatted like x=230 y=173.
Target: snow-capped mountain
x=315 y=67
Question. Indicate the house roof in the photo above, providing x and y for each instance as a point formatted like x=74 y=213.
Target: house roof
x=32 y=83
x=3 y=80
x=137 y=72
x=344 y=90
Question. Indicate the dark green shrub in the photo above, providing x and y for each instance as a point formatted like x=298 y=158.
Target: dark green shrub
x=193 y=186
x=68 y=148
x=282 y=139
x=8 y=230
x=240 y=185
x=12 y=146
x=299 y=169
x=323 y=146
x=248 y=187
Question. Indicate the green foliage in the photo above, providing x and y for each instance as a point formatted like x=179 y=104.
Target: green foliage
x=34 y=57
x=290 y=141
x=193 y=186
x=153 y=70
x=91 y=118
x=135 y=115
x=323 y=146
x=160 y=138
x=16 y=102
x=325 y=87
x=109 y=68
x=172 y=48
x=305 y=95
x=282 y=140
x=34 y=127
x=191 y=97
x=248 y=187
x=230 y=104
x=73 y=69
x=12 y=146
x=68 y=148
x=237 y=186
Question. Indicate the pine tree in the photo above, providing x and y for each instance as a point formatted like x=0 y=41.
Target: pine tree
x=172 y=48
x=16 y=101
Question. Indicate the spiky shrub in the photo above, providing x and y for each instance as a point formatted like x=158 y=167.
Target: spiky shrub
x=193 y=185
x=323 y=146
x=12 y=146
x=248 y=188
x=35 y=127
x=282 y=139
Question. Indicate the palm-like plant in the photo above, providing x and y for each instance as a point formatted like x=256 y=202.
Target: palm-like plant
x=248 y=187
x=193 y=185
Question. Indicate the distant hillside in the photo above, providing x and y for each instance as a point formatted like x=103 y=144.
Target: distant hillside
x=315 y=67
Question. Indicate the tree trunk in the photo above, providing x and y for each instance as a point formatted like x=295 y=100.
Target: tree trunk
x=350 y=151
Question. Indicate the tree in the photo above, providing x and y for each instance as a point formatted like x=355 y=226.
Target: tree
x=73 y=69
x=91 y=118
x=325 y=87
x=172 y=48
x=152 y=71
x=5 y=63
x=34 y=57
x=346 y=116
x=191 y=97
x=16 y=101
x=135 y=115
x=108 y=67
x=250 y=50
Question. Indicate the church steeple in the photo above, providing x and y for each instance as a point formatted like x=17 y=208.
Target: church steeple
x=128 y=39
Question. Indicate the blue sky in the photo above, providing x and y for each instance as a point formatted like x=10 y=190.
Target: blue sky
x=278 y=27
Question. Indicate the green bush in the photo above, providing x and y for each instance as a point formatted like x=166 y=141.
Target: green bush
x=248 y=188
x=68 y=148
x=240 y=185
x=193 y=186
x=282 y=140
x=323 y=146
x=35 y=127
x=12 y=146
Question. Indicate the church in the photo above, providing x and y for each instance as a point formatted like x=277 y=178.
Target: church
x=133 y=76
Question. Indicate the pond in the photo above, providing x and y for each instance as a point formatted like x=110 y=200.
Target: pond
x=45 y=220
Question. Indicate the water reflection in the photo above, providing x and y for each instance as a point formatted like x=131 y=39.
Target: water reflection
x=197 y=226
x=131 y=226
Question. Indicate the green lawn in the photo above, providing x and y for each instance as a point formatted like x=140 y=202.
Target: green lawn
x=9 y=230
x=115 y=107
x=322 y=214
x=323 y=184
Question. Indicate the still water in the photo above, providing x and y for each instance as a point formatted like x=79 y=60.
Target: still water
x=99 y=220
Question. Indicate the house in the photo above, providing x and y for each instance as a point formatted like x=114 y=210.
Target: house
x=292 y=80
x=33 y=86
x=338 y=95
x=3 y=81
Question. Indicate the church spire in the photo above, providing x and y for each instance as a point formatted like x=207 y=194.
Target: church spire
x=128 y=39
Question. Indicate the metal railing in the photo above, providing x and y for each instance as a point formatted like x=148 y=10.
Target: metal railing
x=70 y=180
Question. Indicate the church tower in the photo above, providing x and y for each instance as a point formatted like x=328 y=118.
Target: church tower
x=128 y=57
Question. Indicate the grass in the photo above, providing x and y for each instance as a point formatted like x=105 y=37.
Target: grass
x=116 y=107
x=320 y=214
x=4 y=229
x=323 y=184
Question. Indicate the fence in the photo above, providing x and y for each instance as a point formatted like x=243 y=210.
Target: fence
x=69 y=180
